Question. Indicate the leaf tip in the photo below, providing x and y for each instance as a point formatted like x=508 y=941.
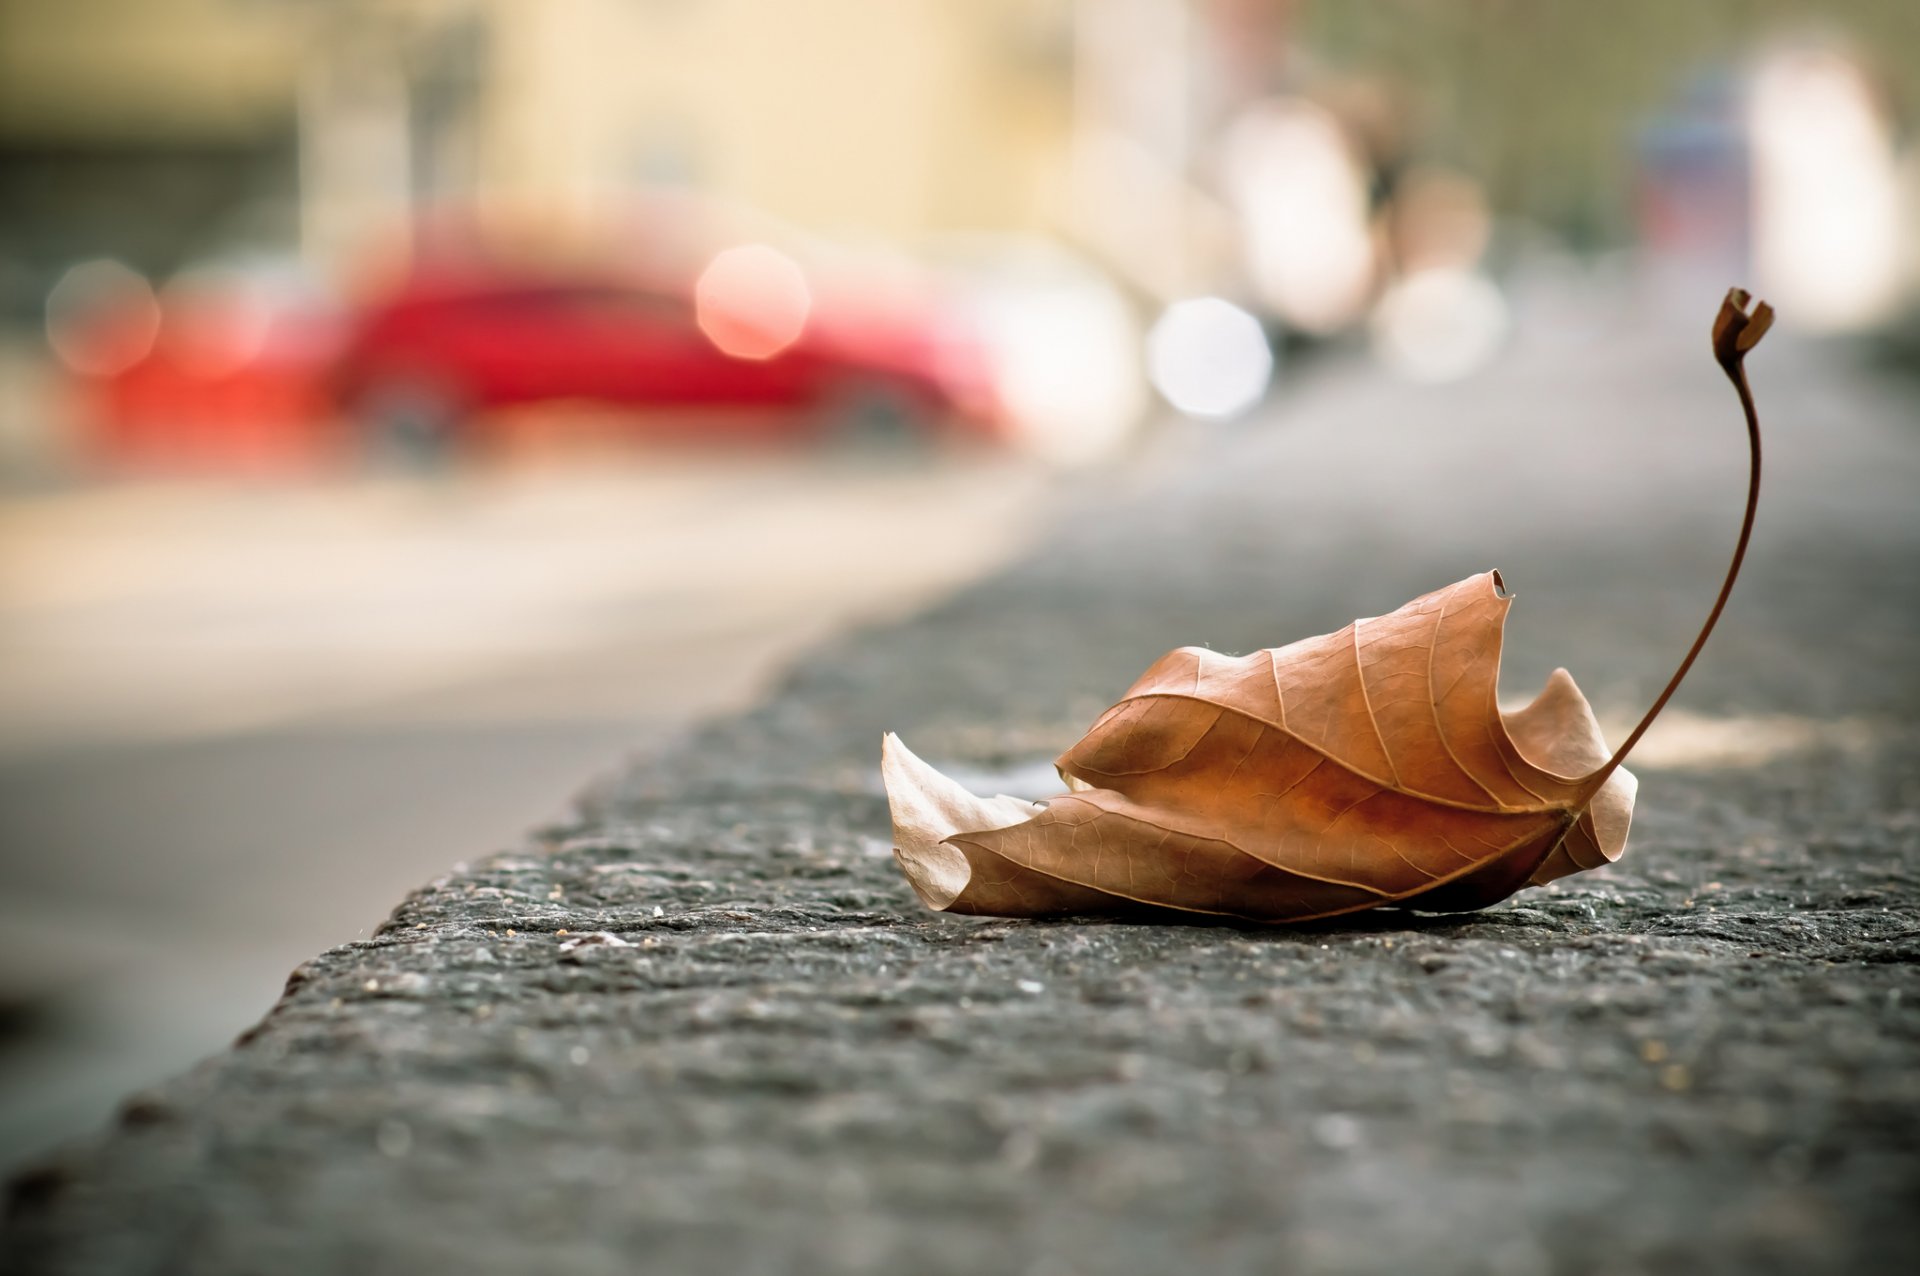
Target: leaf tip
x=922 y=803
x=928 y=809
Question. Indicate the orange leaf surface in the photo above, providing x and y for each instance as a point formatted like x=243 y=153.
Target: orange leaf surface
x=1366 y=767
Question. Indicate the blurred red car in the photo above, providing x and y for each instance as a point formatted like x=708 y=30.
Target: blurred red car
x=229 y=374
x=425 y=368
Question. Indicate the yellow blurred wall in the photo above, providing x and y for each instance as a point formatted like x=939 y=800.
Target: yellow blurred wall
x=885 y=117
x=892 y=118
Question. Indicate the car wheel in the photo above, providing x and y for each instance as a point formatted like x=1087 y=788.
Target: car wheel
x=879 y=416
x=411 y=424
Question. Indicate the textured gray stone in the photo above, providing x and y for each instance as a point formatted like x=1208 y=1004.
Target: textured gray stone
x=702 y=1025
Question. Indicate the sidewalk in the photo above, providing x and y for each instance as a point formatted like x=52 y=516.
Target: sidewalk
x=753 y=1052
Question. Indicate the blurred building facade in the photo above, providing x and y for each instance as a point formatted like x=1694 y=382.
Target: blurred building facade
x=882 y=120
x=326 y=122
x=1253 y=149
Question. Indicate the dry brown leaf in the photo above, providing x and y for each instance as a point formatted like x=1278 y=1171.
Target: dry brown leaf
x=1371 y=766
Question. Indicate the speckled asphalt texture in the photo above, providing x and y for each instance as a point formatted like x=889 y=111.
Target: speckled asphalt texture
x=702 y=1025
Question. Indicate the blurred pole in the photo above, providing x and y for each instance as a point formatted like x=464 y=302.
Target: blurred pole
x=355 y=156
x=1132 y=128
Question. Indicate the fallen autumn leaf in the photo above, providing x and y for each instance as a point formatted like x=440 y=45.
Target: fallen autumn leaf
x=1366 y=767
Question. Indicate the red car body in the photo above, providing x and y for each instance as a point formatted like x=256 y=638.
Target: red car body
x=430 y=366
x=433 y=360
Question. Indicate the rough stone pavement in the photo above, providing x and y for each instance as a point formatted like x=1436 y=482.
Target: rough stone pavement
x=751 y=1051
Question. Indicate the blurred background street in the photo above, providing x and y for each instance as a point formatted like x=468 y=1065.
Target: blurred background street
x=408 y=408
x=240 y=722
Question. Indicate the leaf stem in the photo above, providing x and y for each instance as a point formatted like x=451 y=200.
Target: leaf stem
x=1736 y=330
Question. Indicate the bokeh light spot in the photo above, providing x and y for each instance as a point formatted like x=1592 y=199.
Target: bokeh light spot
x=1439 y=325
x=1209 y=358
x=752 y=301
x=102 y=318
x=216 y=324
